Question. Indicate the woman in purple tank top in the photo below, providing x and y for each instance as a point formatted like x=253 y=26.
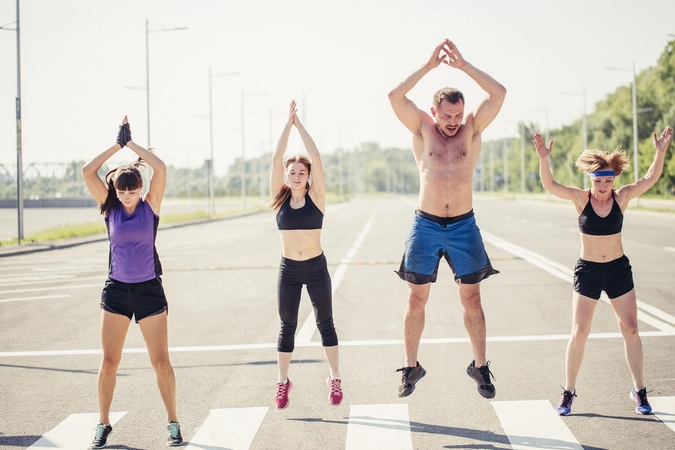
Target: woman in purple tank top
x=134 y=287
x=602 y=265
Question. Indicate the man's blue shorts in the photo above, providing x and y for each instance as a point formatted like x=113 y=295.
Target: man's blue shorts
x=457 y=239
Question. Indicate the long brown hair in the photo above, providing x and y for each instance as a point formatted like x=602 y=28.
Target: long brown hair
x=285 y=191
x=124 y=178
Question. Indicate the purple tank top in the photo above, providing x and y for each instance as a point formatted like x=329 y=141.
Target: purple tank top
x=133 y=256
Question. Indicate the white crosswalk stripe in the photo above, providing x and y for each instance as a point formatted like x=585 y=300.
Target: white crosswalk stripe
x=379 y=426
x=534 y=424
x=76 y=432
x=232 y=428
x=664 y=409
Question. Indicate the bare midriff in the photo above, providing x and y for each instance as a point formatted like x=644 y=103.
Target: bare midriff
x=301 y=245
x=601 y=248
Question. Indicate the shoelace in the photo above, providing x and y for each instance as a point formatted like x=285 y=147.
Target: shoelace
x=281 y=389
x=174 y=429
x=100 y=429
x=406 y=373
x=485 y=371
x=567 y=397
x=642 y=396
x=335 y=387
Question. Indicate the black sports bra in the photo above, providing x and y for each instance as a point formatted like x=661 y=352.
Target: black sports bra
x=591 y=223
x=309 y=217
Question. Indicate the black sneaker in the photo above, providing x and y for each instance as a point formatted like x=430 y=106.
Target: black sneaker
x=103 y=430
x=481 y=375
x=565 y=404
x=175 y=437
x=410 y=377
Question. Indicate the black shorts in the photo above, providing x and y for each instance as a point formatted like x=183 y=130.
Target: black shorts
x=134 y=299
x=613 y=277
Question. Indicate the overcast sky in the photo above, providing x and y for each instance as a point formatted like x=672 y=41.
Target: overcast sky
x=83 y=67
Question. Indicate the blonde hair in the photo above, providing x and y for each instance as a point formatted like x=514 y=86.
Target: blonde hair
x=594 y=160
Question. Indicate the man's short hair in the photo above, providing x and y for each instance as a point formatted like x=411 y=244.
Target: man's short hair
x=452 y=95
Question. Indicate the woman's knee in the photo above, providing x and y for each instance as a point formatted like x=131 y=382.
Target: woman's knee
x=162 y=364
x=327 y=331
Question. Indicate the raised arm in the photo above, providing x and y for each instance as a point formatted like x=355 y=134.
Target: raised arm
x=573 y=194
x=642 y=185
x=94 y=183
x=487 y=109
x=277 y=174
x=318 y=177
x=404 y=108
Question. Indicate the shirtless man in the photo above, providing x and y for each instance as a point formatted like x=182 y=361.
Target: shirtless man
x=446 y=146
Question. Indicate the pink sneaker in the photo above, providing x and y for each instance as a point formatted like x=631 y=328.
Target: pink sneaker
x=281 y=399
x=334 y=391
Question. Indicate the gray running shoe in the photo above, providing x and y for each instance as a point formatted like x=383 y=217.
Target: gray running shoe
x=481 y=375
x=410 y=377
x=103 y=430
x=175 y=437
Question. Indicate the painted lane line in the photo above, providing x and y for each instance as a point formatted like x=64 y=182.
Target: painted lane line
x=53 y=288
x=534 y=424
x=669 y=249
x=664 y=409
x=566 y=274
x=75 y=432
x=308 y=328
x=379 y=426
x=231 y=428
x=64 y=280
x=44 y=297
x=273 y=345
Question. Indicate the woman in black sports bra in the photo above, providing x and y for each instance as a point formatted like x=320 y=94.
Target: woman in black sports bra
x=602 y=265
x=299 y=207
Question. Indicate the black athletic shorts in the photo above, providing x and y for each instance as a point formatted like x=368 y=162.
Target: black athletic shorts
x=134 y=299
x=613 y=277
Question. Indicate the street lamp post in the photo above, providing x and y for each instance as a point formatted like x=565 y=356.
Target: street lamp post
x=636 y=163
x=584 y=142
x=147 y=66
x=243 y=147
x=19 y=150
x=212 y=199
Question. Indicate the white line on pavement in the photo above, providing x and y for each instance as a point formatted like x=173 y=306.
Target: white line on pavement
x=75 y=432
x=669 y=249
x=232 y=428
x=269 y=345
x=308 y=329
x=566 y=274
x=664 y=409
x=379 y=426
x=53 y=288
x=533 y=424
x=44 y=297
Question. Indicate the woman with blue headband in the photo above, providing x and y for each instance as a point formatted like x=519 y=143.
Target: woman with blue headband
x=602 y=265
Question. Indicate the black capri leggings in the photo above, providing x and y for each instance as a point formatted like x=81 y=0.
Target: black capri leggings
x=314 y=274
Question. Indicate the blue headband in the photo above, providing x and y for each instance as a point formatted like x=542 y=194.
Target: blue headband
x=602 y=173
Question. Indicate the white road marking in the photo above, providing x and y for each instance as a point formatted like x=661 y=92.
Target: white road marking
x=669 y=249
x=566 y=274
x=232 y=429
x=53 y=288
x=44 y=297
x=379 y=426
x=269 y=345
x=308 y=328
x=534 y=424
x=664 y=409
x=76 y=432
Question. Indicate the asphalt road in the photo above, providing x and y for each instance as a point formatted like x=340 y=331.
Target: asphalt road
x=220 y=278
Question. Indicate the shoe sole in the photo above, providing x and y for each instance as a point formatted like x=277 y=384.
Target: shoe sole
x=175 y=445
x=424 y=372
